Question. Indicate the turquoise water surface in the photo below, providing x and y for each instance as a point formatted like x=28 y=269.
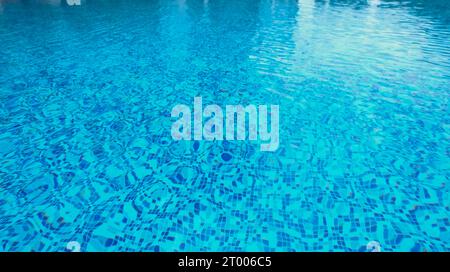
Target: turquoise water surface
x=86 y=154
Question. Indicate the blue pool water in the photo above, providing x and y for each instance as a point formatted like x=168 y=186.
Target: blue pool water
x=86 y=153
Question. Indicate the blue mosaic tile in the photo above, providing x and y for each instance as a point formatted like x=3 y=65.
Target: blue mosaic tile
x=86 y=153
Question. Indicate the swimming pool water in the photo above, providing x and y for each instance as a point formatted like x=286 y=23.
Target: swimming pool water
x=86 y=153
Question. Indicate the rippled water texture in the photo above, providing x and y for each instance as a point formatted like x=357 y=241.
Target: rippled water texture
x=86 y=153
